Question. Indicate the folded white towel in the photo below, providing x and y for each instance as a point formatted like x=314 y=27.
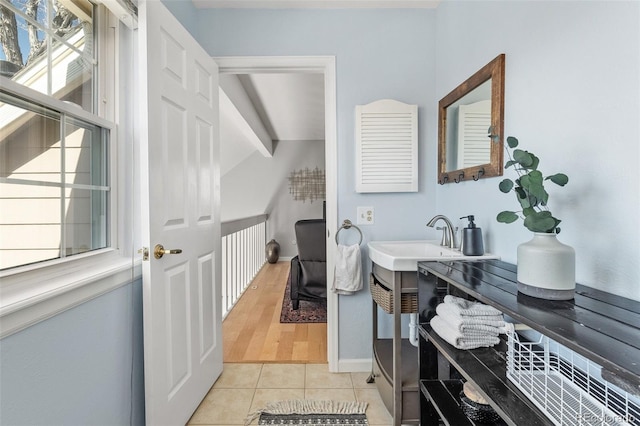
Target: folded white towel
x=459 y=339
x=347 y=278
x=469 y=308
x=493 y=324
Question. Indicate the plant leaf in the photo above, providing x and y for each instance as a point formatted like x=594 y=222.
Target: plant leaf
x=512 y=142
x=510 y=163
x=559 y=179
x=506 y=185
x=523 y=199
x=541 y=222
x=507 y=217
x=536 y=177
x=523 y=158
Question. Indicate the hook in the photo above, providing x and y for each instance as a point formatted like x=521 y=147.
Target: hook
x=479 y=175
x=444 y=180
x=460 y=178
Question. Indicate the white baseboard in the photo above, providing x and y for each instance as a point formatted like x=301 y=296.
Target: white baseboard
x=285 y=258
x=362 y=365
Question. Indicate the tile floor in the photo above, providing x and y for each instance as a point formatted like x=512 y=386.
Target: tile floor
x=244 y=388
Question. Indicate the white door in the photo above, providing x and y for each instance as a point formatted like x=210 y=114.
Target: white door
x=180 y=210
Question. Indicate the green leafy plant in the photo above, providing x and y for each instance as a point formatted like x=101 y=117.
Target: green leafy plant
x=529 y=190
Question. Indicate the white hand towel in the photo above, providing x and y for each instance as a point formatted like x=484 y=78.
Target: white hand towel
x=469 y=308
x=347 y=278
x=489 y=324
x=458 y=339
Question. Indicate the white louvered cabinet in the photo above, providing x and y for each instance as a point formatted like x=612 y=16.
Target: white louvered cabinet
x=387 y=147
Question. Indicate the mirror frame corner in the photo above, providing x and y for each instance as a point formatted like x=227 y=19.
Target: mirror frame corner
x=494 y=70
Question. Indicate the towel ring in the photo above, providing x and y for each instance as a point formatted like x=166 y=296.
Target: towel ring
x=348 y=225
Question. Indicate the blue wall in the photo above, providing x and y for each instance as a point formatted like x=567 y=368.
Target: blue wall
x=572 y=96
x=81 y=367
x=387 y=53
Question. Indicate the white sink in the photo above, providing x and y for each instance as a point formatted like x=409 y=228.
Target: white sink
x=405 y=255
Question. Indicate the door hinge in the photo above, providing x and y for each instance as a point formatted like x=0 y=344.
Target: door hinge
x=145 y=253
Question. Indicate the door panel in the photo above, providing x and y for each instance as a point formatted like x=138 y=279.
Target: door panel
x=179 y=152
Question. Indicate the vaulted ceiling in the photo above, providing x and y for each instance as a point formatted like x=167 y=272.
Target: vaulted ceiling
x=259 y=109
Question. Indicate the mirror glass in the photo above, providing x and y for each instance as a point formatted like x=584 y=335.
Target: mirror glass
x=470 y=127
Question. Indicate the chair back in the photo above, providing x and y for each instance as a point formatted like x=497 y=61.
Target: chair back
x=311 y=239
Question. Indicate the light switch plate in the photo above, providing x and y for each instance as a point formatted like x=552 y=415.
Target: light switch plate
x=365 y=215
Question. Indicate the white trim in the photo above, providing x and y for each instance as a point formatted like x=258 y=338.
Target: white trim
x=316 y=4
x=26 y=299
x=355 y=365
x=50 y=102
x=327 y=66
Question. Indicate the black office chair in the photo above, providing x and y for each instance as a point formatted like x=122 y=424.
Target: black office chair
x=309 y=267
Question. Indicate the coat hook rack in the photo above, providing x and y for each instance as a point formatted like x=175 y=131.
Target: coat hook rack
x=479 y=175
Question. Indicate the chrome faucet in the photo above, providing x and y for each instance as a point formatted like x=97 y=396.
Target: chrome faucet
x=450 y=233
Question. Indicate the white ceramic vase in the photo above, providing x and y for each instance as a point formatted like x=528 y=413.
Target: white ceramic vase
x=546 y=268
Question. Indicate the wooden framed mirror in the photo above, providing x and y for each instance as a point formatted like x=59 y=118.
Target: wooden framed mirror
x=471 y=125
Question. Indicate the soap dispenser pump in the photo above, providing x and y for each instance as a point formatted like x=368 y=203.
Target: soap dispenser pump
x=472 y=244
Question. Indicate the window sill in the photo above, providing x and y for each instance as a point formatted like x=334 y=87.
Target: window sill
x=29 y=297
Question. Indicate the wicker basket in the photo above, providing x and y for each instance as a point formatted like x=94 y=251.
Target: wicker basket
x=384 y=298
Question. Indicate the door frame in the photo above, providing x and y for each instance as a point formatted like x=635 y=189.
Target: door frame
x=327 y=66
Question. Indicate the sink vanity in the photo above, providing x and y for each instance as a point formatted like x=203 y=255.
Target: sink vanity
x=394 y=272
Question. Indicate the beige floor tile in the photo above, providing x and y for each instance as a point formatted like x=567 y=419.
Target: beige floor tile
x=223 y=407
x=319 y=377
x=263 y=396
x=239 y=376
x=330 y=394
x=282 y=376
x=359 y=381
x=377 y=413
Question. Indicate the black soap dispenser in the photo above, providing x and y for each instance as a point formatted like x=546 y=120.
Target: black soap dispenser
x=472 y=239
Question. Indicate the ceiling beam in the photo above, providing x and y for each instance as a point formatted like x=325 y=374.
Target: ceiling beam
x=244 y=115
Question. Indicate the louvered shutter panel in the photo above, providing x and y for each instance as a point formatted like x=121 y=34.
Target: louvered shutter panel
x=387 y=147
x=474 y=146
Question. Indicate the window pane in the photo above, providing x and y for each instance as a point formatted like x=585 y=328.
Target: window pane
x=42 y=215
x=85 y=220
x=30 y=224
x=29 y=144
x=72 y=68
x=85 y=154
x=56 y=59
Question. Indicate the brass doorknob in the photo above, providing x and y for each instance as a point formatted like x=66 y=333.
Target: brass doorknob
x=159 y=251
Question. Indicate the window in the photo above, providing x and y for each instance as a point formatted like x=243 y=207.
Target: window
x=54 y=157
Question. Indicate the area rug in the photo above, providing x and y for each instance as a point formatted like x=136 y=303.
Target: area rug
x=308 y=312
x=311 y=412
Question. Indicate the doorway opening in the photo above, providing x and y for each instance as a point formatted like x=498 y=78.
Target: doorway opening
x=304 y=68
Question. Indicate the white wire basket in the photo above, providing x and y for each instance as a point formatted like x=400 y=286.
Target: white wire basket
x=565 y=386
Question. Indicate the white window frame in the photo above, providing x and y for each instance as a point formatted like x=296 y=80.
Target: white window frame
x=32 y=293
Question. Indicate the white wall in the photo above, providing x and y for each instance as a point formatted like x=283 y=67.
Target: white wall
x=572 y=96
x=260 y=185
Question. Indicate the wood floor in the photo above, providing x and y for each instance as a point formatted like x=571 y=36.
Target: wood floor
x=252 y=331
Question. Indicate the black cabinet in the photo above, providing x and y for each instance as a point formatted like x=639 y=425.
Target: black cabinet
x=596 y=325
